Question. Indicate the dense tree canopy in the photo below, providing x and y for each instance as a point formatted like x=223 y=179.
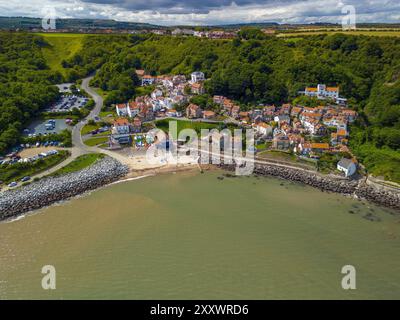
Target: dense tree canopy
x=25 y=84
x=256 y=69
x=252 y=69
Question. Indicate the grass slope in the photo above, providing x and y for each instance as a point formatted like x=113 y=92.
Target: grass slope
x=62 y=47
x=79 y=163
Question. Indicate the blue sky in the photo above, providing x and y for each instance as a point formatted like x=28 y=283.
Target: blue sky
x=203 y=12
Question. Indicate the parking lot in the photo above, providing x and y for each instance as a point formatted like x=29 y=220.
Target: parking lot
x=67 y=103
x=38 y=127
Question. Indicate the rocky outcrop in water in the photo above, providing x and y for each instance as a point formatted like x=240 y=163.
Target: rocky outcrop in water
x=328 y=183
x=50 y=190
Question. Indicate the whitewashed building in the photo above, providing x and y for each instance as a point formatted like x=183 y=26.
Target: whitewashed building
x=197 y=76
x=347 y=166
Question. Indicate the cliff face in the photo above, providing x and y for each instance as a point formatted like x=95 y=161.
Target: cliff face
x=50 y=190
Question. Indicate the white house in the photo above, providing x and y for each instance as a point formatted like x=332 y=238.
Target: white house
x=197 y=76
x=133 y=109
x=347 y=166
x=322 y=92
x=121 y=109
x=263 y=128
x=121 y=126
x=148 y=80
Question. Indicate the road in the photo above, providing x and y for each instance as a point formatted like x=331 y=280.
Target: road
x=79 y=148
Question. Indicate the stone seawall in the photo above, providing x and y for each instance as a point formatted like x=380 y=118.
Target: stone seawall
x=50 y=190
x=328 y=183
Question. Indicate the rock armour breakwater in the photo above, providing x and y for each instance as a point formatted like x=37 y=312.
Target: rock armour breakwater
x=50 y=190
x=327 y=183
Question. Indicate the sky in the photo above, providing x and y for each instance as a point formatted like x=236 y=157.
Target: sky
x=207 y=12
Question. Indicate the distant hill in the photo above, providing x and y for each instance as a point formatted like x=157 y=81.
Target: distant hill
x=24 y=23
x=75 y=24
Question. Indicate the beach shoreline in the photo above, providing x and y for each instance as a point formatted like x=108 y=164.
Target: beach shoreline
x=93 y=178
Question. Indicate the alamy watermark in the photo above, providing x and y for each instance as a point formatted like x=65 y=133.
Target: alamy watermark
x=49 y=16
x=212 y=147
x=349 y=18
x=349 y=280
x=49 y=280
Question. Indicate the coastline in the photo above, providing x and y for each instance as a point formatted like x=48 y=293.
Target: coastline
x=358 y=189
x=14 y=204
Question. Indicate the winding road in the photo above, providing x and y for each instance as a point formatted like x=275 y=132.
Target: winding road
x=79 y=148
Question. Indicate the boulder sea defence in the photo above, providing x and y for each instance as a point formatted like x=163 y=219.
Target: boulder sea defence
x=356 y=188
x=53 y=189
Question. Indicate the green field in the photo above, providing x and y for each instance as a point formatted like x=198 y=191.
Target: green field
x=79 y=163
x=61 y=47
x=355 y=33
x=89 y=128
x=186 y=124
x=96 y=141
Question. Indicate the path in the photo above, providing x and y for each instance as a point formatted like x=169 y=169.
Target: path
x=79 y=148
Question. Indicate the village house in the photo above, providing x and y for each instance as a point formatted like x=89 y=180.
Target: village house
x=295 y=112
x=286 y=128
x=121 y=126
x=295 y=139
x=208 y=114
x=322 y=92
x=197 y=88
x=171 y=113
x=256 y=114
x=148 y=80
x=167 y=82
x=193 y=111
x=280 y=119
x=218 y=99
x=285 y=109
x=179 y=100
x=350 y=115
x=178 y=79
x=280 y=142
x=146 y=113
x=263 y=129
x=136 y=126
x=316 y=147
x=235 y=110
x=183 y=32
x=268 y=113
x=121 y=109
x=332 y=121
x=197 y=76
x=347 y=166
x=133 y=109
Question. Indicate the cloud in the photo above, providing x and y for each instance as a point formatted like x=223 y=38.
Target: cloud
x=201 y=12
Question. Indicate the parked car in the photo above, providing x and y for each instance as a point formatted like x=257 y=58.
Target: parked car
x=24 y=179
x=12 y=184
